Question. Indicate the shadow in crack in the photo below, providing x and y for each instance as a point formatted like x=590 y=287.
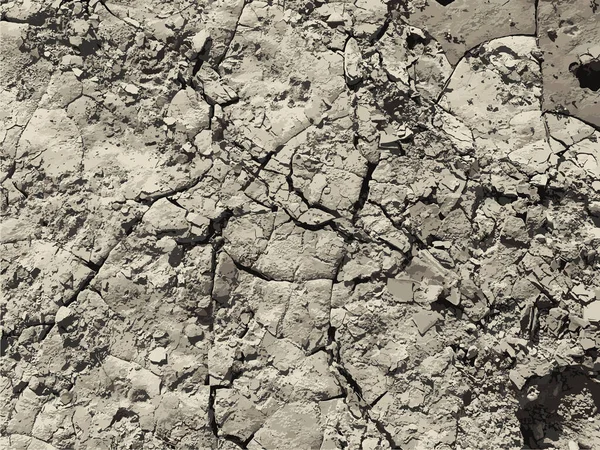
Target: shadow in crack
x=555 y=402
x=588 y=74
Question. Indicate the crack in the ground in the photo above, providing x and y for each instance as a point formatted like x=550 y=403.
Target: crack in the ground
x=230 y=40
x=351 y=385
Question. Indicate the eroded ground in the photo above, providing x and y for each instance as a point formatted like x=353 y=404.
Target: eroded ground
x=300 y=225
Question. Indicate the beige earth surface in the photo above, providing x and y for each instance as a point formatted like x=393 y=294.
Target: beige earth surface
x=299 y=224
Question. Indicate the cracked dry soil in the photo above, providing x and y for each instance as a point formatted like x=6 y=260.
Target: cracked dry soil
x=299 y=224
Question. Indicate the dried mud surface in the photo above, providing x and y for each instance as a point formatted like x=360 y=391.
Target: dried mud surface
x=300 y=224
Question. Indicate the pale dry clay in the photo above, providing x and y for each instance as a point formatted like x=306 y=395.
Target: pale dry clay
x=300 y=224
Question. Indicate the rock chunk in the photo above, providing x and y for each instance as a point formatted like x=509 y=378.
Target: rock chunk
x=158 y=356
x=352 y=62
x=189 y=111
x=64 y=317
x=591 y=312
x=425 y=320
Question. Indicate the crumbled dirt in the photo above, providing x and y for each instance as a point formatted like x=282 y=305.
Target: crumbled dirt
x=300 y=224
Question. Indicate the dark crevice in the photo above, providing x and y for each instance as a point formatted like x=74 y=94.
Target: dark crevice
x=560 y=400
x=123 y=413
x=33 y=21
x=290 y=181
x=374 y=402
x=249 y=270
x=86 y=282
x=214 y=233
x=202 y=57
x=335 y=355
x=359 y=236
x=381 y=31
x=536 y=13
x=230 y=40
x=84 y=285
x=243 y=444
x=150 y=199
x=315 y=227
x=335 y=359
x=470 y=53
x=364 y=190
x=91 y=265
x=254 y=175
x=10 y=171
x=412 y=40
x=174 y=202
x=95 y=268
x=212 y=419
x=564 y=113
x=217 y=225
x=388 y=216
x=587 y=74
x=182 y=81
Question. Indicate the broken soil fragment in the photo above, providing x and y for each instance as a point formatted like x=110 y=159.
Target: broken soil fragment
x=425 y=320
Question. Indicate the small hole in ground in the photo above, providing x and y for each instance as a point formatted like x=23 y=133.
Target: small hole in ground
x=588 y=74
x=444 y=2
x=556 y=406
x=412 y=40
